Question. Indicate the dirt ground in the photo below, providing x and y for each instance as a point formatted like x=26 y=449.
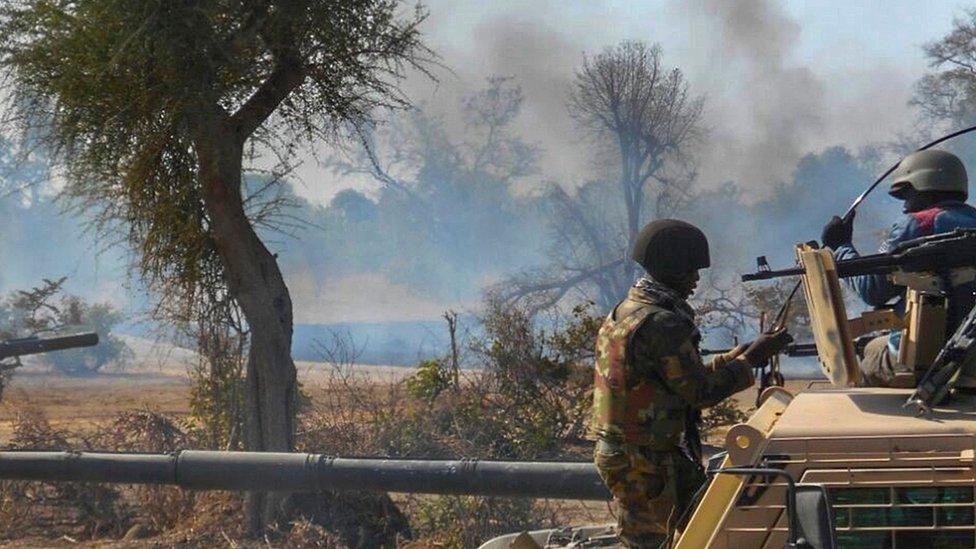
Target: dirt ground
x=77 y=403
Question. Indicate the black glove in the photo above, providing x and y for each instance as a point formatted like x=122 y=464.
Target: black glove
x=765 y=346
x=837 y=231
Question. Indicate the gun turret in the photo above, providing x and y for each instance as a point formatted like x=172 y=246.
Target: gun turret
x=940 y=254
x=35 y=345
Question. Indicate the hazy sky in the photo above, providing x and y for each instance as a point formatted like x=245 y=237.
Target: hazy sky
x=781 y=79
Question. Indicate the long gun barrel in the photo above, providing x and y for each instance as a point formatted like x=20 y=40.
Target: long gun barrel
x=936 y=253
x=300 y=472
x=793 y=349
x=35 y=345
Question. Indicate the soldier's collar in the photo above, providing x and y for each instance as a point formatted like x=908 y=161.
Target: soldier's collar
x=647 y=290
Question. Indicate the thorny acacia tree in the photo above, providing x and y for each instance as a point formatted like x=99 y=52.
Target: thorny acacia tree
x=641 y=118
x=153 y=107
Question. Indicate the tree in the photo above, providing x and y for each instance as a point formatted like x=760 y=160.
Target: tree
x=948 y=93
x=154 y=109
x=642 y=116
x=445 y=199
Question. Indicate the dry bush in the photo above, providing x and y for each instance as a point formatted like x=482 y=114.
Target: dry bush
x=94 y=509
x=160 y=507
x=216 y=520
x=353 y=519
x=305 y=533
x=467 y=521
x=526 y=397
x=17 y=509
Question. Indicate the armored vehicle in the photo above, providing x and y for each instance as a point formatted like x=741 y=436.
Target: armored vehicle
x=839 y=465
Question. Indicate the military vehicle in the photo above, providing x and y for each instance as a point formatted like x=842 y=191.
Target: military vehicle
x=841 y=466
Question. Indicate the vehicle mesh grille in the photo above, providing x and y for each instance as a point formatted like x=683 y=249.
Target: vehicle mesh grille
x=892 y=493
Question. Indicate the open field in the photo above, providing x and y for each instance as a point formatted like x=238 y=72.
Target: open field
x=77 y=403
x=80 y=403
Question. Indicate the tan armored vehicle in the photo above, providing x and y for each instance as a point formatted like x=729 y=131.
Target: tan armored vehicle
x=872 y=467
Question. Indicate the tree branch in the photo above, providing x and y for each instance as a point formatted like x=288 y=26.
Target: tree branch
x=288 y=74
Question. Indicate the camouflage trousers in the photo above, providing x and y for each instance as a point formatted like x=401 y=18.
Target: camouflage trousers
x=651 y=489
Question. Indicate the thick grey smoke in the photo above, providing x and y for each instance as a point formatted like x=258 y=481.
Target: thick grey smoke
x=770 y=98
x=764 y=125
x=768 y=107
x=531 y=47
x=768 y=101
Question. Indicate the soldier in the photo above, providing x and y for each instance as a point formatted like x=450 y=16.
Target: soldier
x=934 y=186
x=650 y=385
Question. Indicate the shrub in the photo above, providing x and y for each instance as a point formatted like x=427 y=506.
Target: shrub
x=431 y=379
x=45 y=309
x=466 y=521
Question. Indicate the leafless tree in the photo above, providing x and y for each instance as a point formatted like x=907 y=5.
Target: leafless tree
x=948 y=93
x=643 y=115
x=396 y=154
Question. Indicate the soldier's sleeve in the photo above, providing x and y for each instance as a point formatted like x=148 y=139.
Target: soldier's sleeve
x=663 y=347
x=877 y=290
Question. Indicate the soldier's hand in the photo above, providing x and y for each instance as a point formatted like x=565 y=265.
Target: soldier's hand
x=837 y=232
x=725 y=358
x=766 y=345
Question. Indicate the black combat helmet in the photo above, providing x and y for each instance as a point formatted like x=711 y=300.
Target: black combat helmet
x=671 y=247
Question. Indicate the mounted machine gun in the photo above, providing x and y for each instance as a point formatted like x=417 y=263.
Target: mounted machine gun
x=15 y=348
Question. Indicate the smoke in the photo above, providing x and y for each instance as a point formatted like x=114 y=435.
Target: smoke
x=762 y=128
x=768 y=106
x=774 y=94
x=362 y=298
x=771 y=97
x=527 y=45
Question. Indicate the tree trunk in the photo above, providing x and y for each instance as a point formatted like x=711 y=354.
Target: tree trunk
x=255 y=281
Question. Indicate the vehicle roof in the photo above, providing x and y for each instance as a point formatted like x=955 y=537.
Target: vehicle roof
x=870 y=412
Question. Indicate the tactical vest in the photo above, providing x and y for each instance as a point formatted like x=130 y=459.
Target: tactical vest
x=631 y=408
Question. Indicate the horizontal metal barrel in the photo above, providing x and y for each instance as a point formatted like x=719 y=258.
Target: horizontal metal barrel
x=37 y=345
x=300 y=472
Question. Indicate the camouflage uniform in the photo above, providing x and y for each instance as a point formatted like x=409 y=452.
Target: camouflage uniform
x=649 y=387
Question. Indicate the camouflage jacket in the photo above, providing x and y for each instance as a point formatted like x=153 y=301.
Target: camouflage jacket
x=649 y=380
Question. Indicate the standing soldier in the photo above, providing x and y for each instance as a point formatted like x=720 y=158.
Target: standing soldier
x=650 y=385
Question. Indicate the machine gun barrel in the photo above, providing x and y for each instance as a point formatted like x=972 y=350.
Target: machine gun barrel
x=793 y=349
x=936 y=253
x=35 y=345
x=301 y=472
